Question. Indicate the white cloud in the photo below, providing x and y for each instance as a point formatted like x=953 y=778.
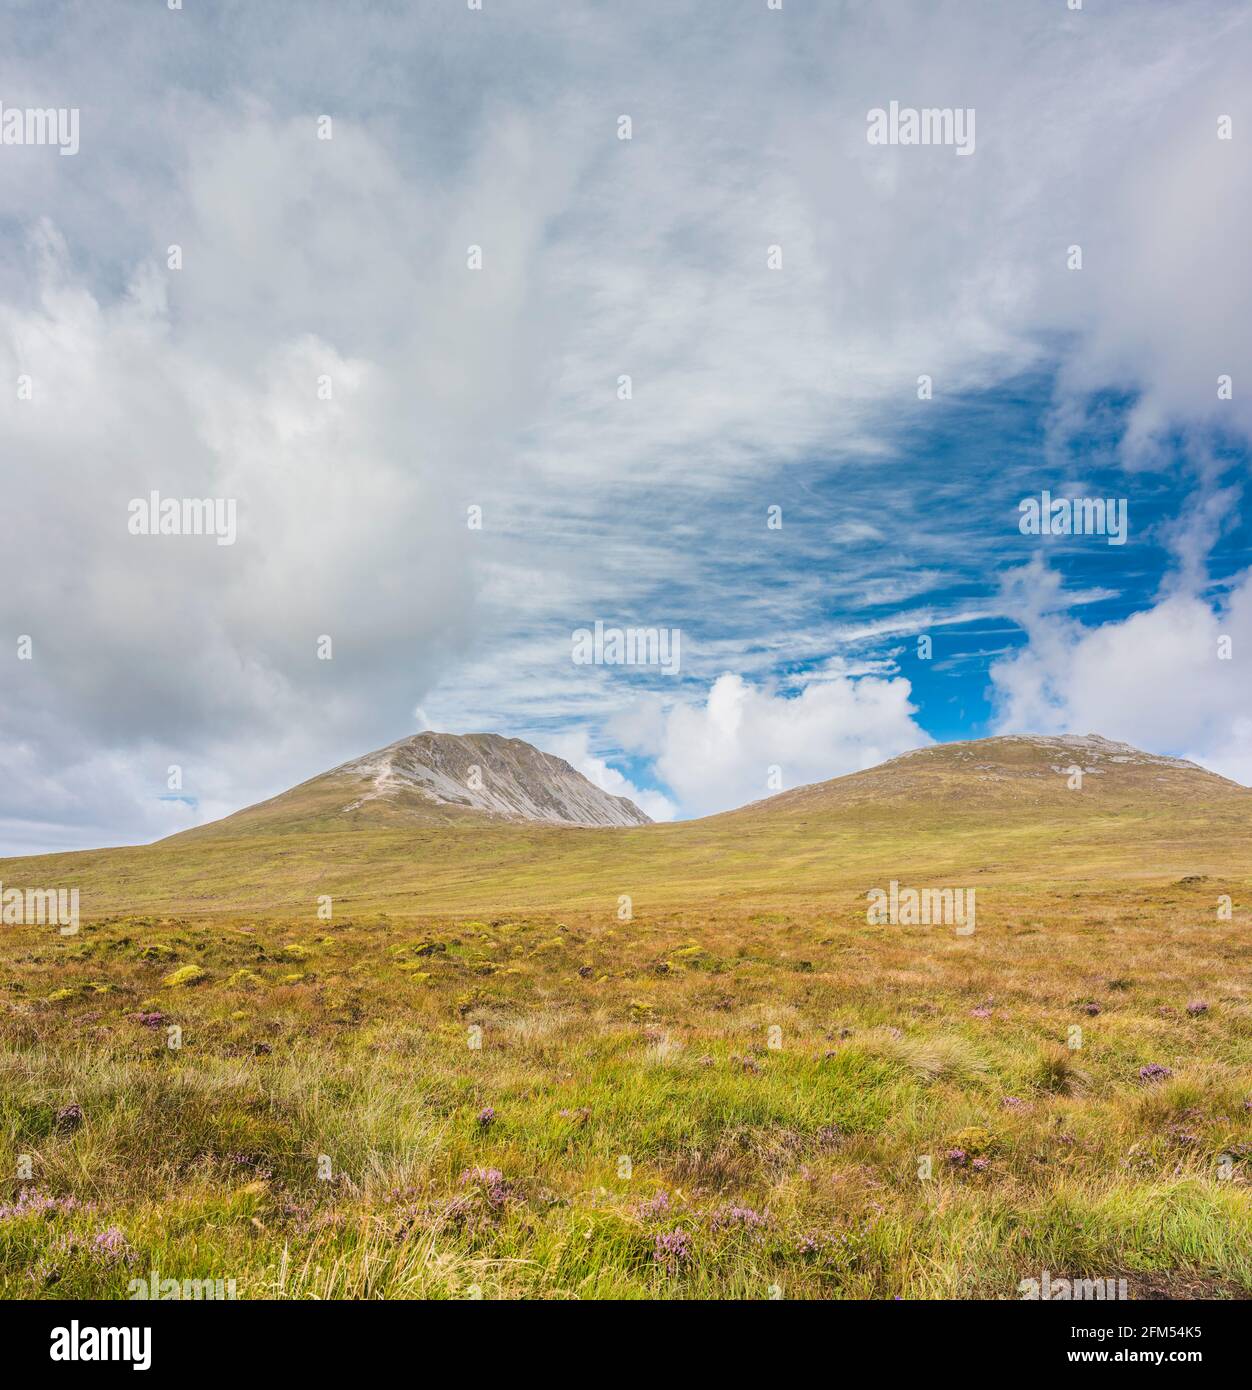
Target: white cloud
x=1155 y=679
x=718 y=755
x=574 y=748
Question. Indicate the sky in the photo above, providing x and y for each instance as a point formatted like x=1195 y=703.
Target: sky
x=377 y=273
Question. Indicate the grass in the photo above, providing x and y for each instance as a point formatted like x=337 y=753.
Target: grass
x=764 y=1079
x=483 y=1076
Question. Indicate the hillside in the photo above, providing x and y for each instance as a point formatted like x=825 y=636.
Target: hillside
x=370 y=834
x=483 y=1028
x=1016 y=772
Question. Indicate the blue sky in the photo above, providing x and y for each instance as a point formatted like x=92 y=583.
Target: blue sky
x=773 y=285
x=863 y=567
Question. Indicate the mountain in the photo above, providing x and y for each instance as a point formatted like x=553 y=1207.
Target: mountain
x=1014 y=772
x=442 y=778
x=403 y=831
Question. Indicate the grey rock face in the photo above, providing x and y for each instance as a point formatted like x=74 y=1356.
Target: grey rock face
x=485 y=772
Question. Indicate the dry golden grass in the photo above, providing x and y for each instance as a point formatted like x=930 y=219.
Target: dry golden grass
x=789 y=1159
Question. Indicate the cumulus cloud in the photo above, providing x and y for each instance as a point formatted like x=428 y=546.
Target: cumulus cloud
x=175 y=650
x=574 y=748
x=1166 y=679
x=744 y=742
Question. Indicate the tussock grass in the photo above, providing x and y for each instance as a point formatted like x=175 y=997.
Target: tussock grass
x=775 y=1114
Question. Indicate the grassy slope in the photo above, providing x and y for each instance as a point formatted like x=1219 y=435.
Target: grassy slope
x=931 y=818
x=650 y=1039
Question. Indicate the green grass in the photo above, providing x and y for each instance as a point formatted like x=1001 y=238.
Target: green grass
x=745 y=1043
x=930 y=820
x=206 y=1157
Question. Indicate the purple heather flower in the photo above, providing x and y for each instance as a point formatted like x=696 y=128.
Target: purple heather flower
x=957 y=1157
x=980 y=1165
x=492 y=1182
x=981 y=1012
x=69 y=1117
x=1154 y=1071
x=672 y=1249
x=1197 y=1007
x=486 y=1116
x=654 y=1207
x=1092 y=1009
x=31 y=1201
x=1012 y=1102
x=743 y=1217
x=111 y=1246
